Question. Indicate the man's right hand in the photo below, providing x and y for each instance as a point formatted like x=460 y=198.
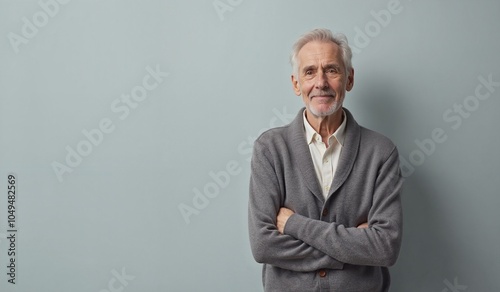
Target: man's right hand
x=363 y=225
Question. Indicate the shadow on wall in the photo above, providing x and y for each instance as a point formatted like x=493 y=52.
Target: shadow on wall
x=424 y=254
x=423 y=259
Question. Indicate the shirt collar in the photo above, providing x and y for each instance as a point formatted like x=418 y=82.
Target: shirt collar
x=311 y=133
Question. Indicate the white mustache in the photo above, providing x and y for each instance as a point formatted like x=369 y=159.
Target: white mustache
x=322 y=93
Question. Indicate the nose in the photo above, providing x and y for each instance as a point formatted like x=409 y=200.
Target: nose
x=321 y=81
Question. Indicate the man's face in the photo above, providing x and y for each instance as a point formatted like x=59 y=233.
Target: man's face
x=321 y=79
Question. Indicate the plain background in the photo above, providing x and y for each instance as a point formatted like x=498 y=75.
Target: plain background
x=228 y=80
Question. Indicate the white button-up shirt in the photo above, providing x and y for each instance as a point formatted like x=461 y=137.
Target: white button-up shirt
x=325 y=160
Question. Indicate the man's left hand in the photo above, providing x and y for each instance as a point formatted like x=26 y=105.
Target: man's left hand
x=283 y=215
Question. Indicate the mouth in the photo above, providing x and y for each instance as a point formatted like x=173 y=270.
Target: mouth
x=323 y=95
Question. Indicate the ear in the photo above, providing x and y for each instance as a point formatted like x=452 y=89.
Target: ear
x=295 y=85
x=350 y=80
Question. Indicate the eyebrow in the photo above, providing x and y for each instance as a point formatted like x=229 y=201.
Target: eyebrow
x=327 y=66
x=310 y=67
x=333 y=65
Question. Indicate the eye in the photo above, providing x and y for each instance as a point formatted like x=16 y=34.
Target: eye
x=309 y=72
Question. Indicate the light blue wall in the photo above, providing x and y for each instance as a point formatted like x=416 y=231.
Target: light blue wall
x=209 y=77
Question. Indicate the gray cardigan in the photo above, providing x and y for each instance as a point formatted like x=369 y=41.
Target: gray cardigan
x=322 y=250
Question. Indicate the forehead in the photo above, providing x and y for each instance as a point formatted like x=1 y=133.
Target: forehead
x=319 y=52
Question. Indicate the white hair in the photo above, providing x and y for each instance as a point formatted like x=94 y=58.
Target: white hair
x=322 y=35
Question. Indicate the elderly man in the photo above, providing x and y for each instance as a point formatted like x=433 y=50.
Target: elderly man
x=324 y=208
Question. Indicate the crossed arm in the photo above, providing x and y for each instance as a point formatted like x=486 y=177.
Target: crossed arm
x=285 y=213
x=282 y=238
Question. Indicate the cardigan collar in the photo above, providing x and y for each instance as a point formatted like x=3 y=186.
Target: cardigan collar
x=300 y=151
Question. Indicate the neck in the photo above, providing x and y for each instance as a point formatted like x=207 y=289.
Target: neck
x=325 y=126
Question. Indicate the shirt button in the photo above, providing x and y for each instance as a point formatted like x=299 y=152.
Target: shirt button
x=322 y=273
x=325 y=212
